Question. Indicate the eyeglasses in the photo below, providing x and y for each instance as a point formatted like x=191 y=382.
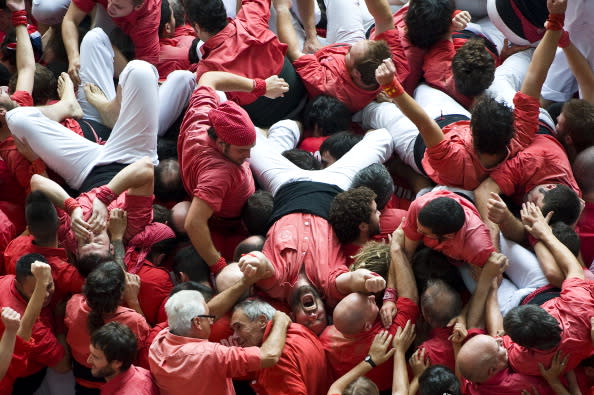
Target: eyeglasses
x=211 y=318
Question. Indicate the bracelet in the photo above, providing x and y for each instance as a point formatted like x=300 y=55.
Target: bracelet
x=70 y=205
x=19 y=18
x=105 y=195
x=394 y=89
x=564 y=40
x=218 y=266
x=555 y=21
x=259 y=87
x=390 y=294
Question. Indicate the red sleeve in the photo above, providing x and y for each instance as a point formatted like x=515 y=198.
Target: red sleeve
x=410 y=222
x=509 y=175
x=282 y=379
x=154 y=290
x=48 y=351
x=407 y=310
x=392 y=38
x=7 y=233
x=145 y=34
x=140 y=213
x=212 y=186
x=447 y=160
x=18 y=364
x=85 y=5
x=201 y=102
x=255 y=13
x=437 y=64
x=526 y=110
x=21 y=168
x=23 y=98
x=312 y=73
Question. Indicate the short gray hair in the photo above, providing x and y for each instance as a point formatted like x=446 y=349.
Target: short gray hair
x=254 y=308
x=181 y=308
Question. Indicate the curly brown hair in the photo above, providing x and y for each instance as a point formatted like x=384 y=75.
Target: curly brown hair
x=473 y=68
x=348 y=210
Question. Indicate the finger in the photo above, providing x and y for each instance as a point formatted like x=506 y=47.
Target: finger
x=549 y=216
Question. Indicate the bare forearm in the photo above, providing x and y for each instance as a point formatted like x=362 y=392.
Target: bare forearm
x=400 y=378
x=70 y=38
x=582 y=71
x=476 y=306
x=224 y=301
x=286 y=32
x=493 y=317
x=25 y=59
x=6 y=350
x=32 y=311
x=405 y=279
x=567 y=262
x=428 y=128
x=541 y=61
x=52 y=190
x=119 y=252
x=382 y=14
x=199 y=234
x=513 y=229
x=135 y=175
x=306 y=12
x=226 y=82
x=361 y=369
x=272 y=347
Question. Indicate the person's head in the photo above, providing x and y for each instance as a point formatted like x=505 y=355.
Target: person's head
x=103 y=290
x=25 y=281
x=89 y=262
x=440 y=303
x=558 y=198
x=161 y=214
x=335 y=146
x=249 y=321
x=428 y=21
x=354 y=214
x=168 y=182
x=429 y=264
x=249 y=244
x=363 y=58
x=206 y=291
x=98 y=248
x=206 y=16
x=583 y=171
x=568 y=236
x=42 y=218
x=361 y=386
x=187 y=315
x=112 y=350
x=473 y=68
x=179 y=12
x=575 y=125
x=307 y=308
x=257 y=211
x=6 y=104
x=326 y=115
x=232 y=130
x=302 y=159
x=177 y=219
x=188 y=265
x=440 y=218
x=588 y=366
x=481 y=357
x=439 y=380
x=492 y=126
x=377 y=178
x=122 y=8
x=167 y=24
x=374 y=256
x=355 y=313
x=532 y=327
x=44 y=85
x=228 y=277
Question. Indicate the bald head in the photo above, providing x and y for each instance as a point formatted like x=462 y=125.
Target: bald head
x=178 y=216
x=355 y=313
x=229 y=276
x=480 y=358
x=583 y=170
x=440 y=303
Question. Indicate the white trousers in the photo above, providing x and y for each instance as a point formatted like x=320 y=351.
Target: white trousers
x=49 y=12
x=348 y=21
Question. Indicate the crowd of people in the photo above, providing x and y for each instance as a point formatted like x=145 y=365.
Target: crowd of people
x=296 y=197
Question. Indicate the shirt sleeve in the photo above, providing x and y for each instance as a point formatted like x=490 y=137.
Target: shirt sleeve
x=48 y=351
x=410 y=222
x=447 y=159
x=509 y=175
x=21 y=168
x=255 y=13
x=437 y=64
x=85 y=5
x=140 y=214
x=312 y=73
x=526 y=110
x=146 y=37
x=407 y=310
x=238 y=361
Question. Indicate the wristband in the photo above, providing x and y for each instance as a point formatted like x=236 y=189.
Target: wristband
x=456 y=12
x=394 y=89
x=564 y=41
x=70 y=205
x=19 y=18
x=218 y=266
x=105 y=195
x=555 y=21
x=259 y=87
x=390 y=294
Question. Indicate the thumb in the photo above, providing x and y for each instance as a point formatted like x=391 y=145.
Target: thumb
x=549 y=216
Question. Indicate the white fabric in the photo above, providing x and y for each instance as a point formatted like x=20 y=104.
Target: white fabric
x=174 y=95
x=348 y=21
x=49 y=12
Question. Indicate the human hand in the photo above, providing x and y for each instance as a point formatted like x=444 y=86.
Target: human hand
x=99 y=216
x=387 y=313
x=419 y=361
x=404 y=337
x=11 y=320
x=556 y=6
x=509 y=49
x=459 y=319
x=281 y=319
x=254 y=266
x=460 y=21
x=397 y=238
x=25 y=149
x=458 y=334
x=275 y=87
x=42 y=272
x=534 y=222
x=380 y=350
x=73 y=70
x=384 y=74
x=495 y=266
x=497 y=209
x=373 y=282
x=15 y=5
x=557 y=367
x=118 y=221
x=132 y=288
x=311 y=44
x=79 y=226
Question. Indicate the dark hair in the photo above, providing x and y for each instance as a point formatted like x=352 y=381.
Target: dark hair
x=439 y=380
x=45 y=85
x=87 y=263
x=568 y=236
x=257 y=211
x=473 y=68
x=579 y=122
x=168 y=182
x=165 y=16
x=532 y=327
x=41 y=217
x=492 y=125
x=187 y=260
x=302 y=159
x=340 y=143
x=166 y=149
x=429 y=264
x=564 y=203
x=328 y=113
x=347 y=210
x=205 y=290
x=123 y=42
x=377 y=178
x=103 y=291
x=23 y=265
x=443 y=215
x=161 y=214
x=179 y=13
x=441 y=306
x=428 y=21
x=210 y=15
x=377 y=51
x=117 y=342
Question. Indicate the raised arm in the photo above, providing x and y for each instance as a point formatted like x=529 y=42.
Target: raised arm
x=306 y=12
x=402 y=341
x=11 y=320
x=285 y=29
x=494 y=268
x=405 y=278
x=482 y=194
x=43 y=279
x=72 y=19
x=25 y=59
x=382 y=15
x=271 y=349
x=582 y=71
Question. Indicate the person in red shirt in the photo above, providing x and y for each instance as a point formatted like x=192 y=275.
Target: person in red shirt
x=174 y=48
x=301 y=368
x=112 y=351
x=583 y=166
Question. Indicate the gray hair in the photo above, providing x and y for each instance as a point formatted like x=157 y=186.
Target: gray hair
x=254 y=308
x=181 y=308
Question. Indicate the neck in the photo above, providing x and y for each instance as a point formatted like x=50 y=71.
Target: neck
x=113 y=376
x=490 y=160
x=362 y=239
x=50 y=244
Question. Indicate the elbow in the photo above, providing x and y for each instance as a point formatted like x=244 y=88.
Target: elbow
x=268 y=360
x=146 y=170
x=36 y=181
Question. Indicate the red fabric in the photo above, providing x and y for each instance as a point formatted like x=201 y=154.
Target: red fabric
x=67 y=280
x=233 y=124
x=390 y=221
x=23 y=98
x=174 y=54
x=155 y=286
x=548 y=161
x=585 y=229
x=349 y=251
x=343 y=353
x=7 y=233
x=140 y=244
x=472 y=243
x=507 y=382
x=246 y=47
x=134 y=381
x=572 y=309
x=10 y=190
x=141 y=25
x=312 y=144
x=180 y=364
x=439 y=349
x=325 y=72
x=299 y=242
x=301 y=368
x=206 y=172
x=454 y=161
x=46 y=350
x=18 y=363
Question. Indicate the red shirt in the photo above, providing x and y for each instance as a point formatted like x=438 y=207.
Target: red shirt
x=134 y=381
x=155 y=286
x=585 y=228
x=572 y=309
x=548 y=163
x=18 y=363
x=7 y=233
x=181 y=365
x=174 y=54
x=345 y=352
x=390 y=221
x=472 y=243
x=206 y=172
x=454 y=161
x=141 y=25
x=507 y=382
x=299 y=242
x=439 y=349
x=246 y=46
x=10 y=189
x=325 y=72
x=46 y=350
x=301 y=369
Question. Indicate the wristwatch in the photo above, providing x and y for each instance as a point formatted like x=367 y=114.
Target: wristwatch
x=370 y=361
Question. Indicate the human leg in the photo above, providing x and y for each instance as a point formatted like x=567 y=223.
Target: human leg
x=49 y=12
x=345 y=21
x=174 y=94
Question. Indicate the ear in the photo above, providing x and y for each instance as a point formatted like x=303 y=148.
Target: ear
x=568 y=139
x=111 y=249
x=169 y=29
x=368 y=326
x=183 y=277
x=116 y=365
x=262 y=321
x=363 y=227
x=139 y=6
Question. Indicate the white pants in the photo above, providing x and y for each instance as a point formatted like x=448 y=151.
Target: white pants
x=49 y=12
x=272 y=170
x=296 y=20
x=133 y=136
x=348 y=21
